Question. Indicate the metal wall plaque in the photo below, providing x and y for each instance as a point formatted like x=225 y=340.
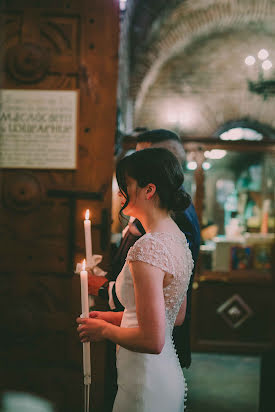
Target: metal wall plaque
x=38 y=129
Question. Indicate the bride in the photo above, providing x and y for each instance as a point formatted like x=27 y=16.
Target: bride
x=152 y=287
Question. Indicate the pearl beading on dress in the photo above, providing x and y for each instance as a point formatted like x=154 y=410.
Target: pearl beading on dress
x=170 y=253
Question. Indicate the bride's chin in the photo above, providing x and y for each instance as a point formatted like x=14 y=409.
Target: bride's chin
x=125 y=212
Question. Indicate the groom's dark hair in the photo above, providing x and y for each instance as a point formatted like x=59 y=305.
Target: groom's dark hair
x=164 y=138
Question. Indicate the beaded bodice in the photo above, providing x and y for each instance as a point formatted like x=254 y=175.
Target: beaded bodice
x=168 y=252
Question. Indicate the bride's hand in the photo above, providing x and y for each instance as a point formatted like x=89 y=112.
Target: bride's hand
x=90 y=330
x=109 y=316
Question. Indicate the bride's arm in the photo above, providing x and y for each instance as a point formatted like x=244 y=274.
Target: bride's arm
x=149 y=336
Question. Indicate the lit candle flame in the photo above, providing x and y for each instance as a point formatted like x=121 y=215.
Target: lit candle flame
x=84 y=264
x=87 y=214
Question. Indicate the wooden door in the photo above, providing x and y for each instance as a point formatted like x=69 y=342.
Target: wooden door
x=56 y=45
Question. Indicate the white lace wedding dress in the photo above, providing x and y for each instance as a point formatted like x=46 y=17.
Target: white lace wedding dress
x=149 y=382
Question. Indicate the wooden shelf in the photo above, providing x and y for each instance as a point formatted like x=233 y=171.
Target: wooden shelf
x=238 y=276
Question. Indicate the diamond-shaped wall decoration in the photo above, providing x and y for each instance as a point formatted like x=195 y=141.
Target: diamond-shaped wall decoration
x=235 y=311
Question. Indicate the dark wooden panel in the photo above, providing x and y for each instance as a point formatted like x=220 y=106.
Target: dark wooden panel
x=216 y=332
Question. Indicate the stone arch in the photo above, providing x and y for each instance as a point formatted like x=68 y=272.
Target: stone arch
x=184 y=26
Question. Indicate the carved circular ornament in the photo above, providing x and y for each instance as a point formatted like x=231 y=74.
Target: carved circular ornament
x=27 y=63
x=22 y=192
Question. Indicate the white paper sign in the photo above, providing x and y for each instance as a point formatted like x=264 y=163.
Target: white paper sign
x=38 y=129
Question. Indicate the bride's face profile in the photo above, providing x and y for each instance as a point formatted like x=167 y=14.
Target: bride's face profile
x=137 y=196
x=147 y=180
x=132 y=190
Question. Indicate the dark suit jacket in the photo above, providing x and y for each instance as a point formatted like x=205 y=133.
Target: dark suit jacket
x=189 y=225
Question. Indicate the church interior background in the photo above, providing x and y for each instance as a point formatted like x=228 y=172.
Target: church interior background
x=101 y=71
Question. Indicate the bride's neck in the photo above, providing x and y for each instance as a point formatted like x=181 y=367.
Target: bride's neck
x=155 y=220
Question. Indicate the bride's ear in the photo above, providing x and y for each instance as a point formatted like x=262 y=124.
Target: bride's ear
x=150 y=191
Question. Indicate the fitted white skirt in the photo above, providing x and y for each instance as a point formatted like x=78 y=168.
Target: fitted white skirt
x=149 y=383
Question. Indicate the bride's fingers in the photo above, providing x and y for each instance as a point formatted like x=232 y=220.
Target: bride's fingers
x=81 y=329
x=81 y=320
x=83 y=335
x=93 y=314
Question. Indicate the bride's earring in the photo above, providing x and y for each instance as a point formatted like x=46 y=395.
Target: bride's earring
x=150 y=191
x=148 y=197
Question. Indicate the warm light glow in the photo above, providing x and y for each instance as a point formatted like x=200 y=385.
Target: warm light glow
x=266 y=65
x=206 y=165
x=191 y=165
x=238 y=133
x=215 y=154
x=179 y=112
x=84 y=264
x=250 y=60
x=232 y=134
x=87 y=214
x=263 y=54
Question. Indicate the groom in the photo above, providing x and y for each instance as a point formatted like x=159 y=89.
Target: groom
x=105 y=286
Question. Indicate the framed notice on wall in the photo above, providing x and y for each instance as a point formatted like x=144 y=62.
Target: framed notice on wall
x=38 y=129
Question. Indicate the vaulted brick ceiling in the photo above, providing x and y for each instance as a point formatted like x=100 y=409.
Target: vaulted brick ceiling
x=187 y=69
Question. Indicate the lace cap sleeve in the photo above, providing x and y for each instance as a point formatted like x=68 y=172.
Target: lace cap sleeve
x=149 y=249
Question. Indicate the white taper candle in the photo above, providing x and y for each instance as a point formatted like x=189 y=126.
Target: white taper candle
x=85 y=314
x=88 y=238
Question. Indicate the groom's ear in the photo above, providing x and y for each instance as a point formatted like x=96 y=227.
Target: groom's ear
x=150 y=191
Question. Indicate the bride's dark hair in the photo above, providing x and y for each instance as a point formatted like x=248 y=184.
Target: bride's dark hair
x=160 y=167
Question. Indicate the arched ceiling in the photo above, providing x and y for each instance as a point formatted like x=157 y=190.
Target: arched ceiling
x=187 y=69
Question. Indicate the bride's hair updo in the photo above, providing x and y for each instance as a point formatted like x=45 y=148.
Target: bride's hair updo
x=160 y=167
